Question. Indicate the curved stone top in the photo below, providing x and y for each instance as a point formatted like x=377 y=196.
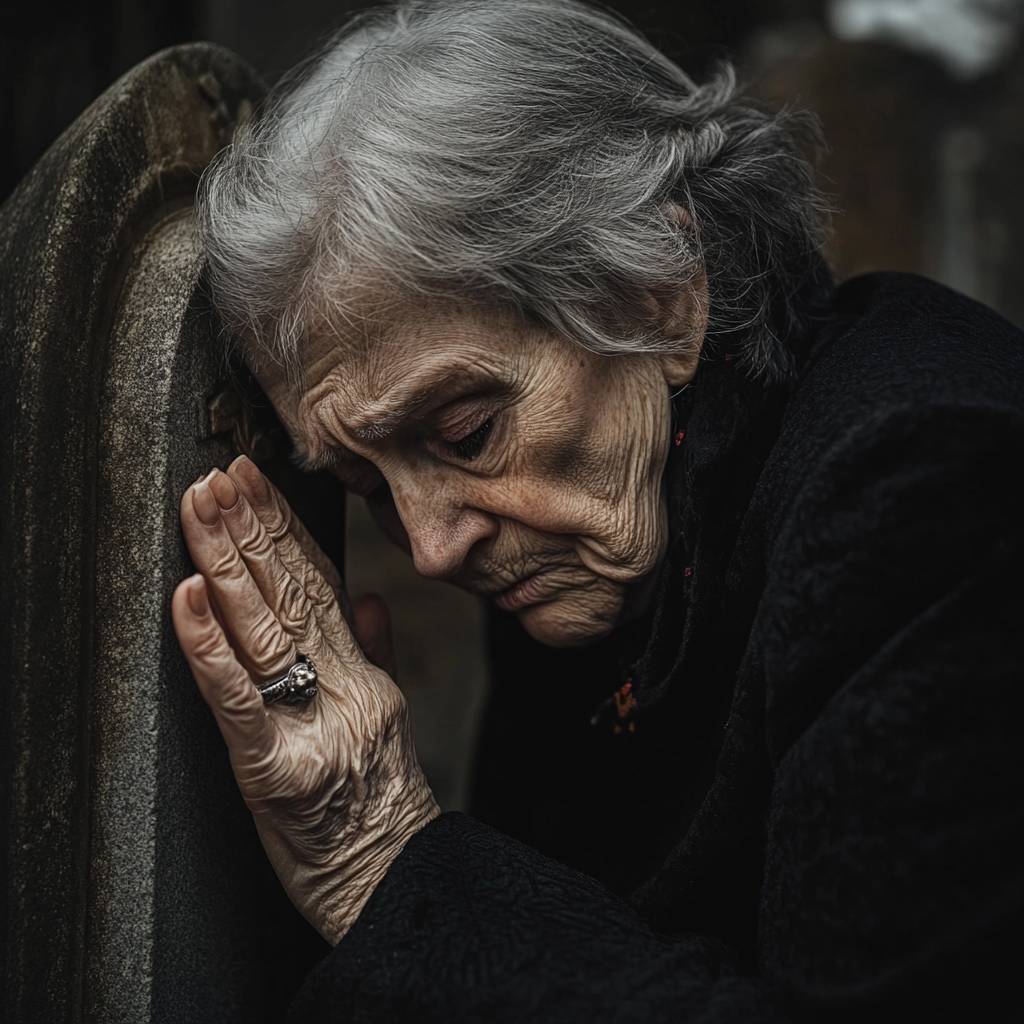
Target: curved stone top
x=71 y=235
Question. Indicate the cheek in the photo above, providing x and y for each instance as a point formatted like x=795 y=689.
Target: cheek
x=539 y=484
x=558 y=452
x=597 y=481
x=566 y=463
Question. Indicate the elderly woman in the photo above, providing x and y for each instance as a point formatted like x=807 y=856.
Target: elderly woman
x=558 y=313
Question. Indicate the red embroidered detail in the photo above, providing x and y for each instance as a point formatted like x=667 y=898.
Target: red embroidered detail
x=729 y=358
x=688 y=571
x=679 y=436
x=624 y=701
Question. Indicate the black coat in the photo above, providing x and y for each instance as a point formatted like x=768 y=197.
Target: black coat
x=806 y=802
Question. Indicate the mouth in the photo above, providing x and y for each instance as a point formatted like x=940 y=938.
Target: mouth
x=530 y=590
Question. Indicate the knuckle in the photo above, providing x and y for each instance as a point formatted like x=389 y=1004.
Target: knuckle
x=394 y=708
x=208 y=649
x=383 y=704
x=226 y=565
x=267 y=644
x=294 y=610
x=319 y=591
x=277 y=530
x=275 y=525
x=237 y=700
x=255 y=544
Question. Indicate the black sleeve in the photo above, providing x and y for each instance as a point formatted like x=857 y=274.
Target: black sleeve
x=894 y=671
x=469 y=925
x=894 y=877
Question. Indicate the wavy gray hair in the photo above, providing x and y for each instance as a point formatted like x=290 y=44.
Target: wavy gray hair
x=525 y=153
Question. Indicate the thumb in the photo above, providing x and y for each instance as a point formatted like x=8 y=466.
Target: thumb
x=371 y=625
x=223 y=682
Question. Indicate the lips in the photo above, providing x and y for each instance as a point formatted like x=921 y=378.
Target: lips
x=526 y=592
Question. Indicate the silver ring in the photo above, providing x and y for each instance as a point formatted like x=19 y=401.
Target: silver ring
x=298 y=683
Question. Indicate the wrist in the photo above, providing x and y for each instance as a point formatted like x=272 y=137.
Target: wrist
x=362 y=869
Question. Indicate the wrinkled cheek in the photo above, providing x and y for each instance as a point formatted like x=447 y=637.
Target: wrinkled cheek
x=626 y=519
x=647 y=528
x=628 y=542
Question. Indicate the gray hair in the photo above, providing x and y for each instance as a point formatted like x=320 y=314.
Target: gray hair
x=522 y=153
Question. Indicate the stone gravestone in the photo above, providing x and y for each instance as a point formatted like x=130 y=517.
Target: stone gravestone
x=134 y=887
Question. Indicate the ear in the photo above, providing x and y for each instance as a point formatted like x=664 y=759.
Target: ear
x=683 y=318
x=682 y=315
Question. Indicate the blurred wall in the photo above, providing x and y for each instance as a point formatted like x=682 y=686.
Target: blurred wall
x=925 y=135
x=56 y=56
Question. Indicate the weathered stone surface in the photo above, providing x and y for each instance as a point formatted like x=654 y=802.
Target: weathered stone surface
x=133 y=884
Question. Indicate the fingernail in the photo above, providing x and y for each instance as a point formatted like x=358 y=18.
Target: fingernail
x=251 y=482
x=205 y=504
x=223 y=490
x=200 y=477
x=197 y=596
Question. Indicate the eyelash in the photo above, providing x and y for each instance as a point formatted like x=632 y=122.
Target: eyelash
x=469 y=447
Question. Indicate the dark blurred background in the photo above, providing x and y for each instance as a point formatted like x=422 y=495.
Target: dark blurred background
x=922 y=103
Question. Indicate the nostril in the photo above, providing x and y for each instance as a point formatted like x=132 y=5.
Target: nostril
x=482 y=546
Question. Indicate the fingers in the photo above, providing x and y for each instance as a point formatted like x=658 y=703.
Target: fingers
x=262 y=644
x=297 y=549
x=284 y=593
x=224 y=683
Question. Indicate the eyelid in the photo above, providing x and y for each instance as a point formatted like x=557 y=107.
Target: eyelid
x=462 y=418
x=471 y=446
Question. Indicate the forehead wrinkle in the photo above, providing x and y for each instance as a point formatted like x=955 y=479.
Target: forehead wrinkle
x=335 y=404
x=318 y=446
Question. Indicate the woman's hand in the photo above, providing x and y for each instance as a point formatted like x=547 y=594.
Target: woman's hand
x=333 y=783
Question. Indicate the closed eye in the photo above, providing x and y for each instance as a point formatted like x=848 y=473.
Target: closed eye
x=469 y=447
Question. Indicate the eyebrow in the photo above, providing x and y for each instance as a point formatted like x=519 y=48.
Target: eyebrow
x=320 y=455
x=442 y=382
x=377 y=427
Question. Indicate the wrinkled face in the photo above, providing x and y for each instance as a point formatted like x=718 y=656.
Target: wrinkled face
x=506 y=459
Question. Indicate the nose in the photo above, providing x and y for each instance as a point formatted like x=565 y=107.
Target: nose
x=442 y=531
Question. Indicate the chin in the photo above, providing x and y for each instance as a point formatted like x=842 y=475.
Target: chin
x=576 y=618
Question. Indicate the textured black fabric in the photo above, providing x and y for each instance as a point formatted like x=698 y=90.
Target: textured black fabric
x=816 y=815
